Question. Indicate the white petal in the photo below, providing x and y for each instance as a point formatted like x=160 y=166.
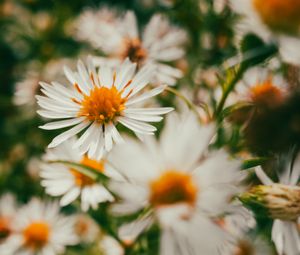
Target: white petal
x=149 y=111
x=145 y=95
x=70 y=196
x=62 y=123
x=262 y=176
x=55 y=115
x=67 y=134
x=137 y=126
x=141 y=117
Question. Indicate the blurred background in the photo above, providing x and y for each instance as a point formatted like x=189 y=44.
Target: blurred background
x=39 y=37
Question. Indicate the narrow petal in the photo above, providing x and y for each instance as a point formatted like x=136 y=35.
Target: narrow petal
x=67 y=134
x=62 y=123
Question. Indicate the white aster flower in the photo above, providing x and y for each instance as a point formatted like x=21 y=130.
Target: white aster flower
x=260 y=86
x=65 y=181
x=8 y=210
x=41 y=229
x=86 y=228
x=273 y=20
x=184 y=186
x=96 y=102
x=238 y=221
x=282 y=202
x=110 y=246
x=27 y=88
x=160 y=43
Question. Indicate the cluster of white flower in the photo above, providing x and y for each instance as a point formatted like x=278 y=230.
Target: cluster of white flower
x=180 y=179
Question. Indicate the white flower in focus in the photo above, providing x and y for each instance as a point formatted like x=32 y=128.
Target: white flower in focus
x=96 y=102
x=65 y=181
x=285 y=233
x=184 y=185
x=41 y=229
x=158 y=44
x=8 y=210
x=273 y=20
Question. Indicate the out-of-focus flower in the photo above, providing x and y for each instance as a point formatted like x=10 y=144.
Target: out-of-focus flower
x=238 y=221
x=86 y=228
x=8 y=210
x=259 y=86
x=97 y=102
x=28 y=87
x=39 y=228
x=281 y=202
x=61 y=180
x=273 y=20
x=109 y=246
x=262 y=87
x=159 y=44
x=33 y=167
x=183 y=185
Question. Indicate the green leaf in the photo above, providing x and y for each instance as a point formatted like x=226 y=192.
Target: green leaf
x=235 y=107
x=83 y=169
x=255 y=51
x=253 y=162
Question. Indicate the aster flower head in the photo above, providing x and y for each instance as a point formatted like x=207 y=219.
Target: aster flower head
x=272 y=20
x=86 y=228
x=8 y=210
x=41 y=229
x=159 y=43
x=262 y=87
x=280 y=201
x=180 y=183
x=61 y=180
x=96 y=102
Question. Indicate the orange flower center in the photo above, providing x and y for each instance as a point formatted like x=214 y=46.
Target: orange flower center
x=4 y=228
x=279 y=15
x=266 y=94
x=36 y=235
x=173 y=187
x=244 y=248
x=83 y=180
x=133 y=49
x=102 y=104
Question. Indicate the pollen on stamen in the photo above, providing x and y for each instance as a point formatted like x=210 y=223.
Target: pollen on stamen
x=102 y=105
x=77 y=88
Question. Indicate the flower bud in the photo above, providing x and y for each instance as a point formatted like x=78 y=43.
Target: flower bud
x=277 y=201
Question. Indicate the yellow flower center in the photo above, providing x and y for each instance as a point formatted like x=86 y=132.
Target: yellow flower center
x=266 y=94
x=83 y=180
x=36 y=235
x=133 y=49
x=4 y=228
x=279 y=15
x=173 y=187
x=102 y=105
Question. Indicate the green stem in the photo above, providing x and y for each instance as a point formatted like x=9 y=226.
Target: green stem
x=188 y=102
x=228 y=89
